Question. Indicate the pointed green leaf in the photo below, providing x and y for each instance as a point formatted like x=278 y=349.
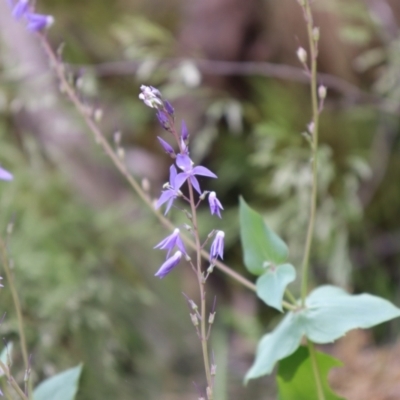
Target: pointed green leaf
x=331 y=312
x=274 y=346
x=260 y=244
x=271 y=285
x=296 y=378
x=62 y=386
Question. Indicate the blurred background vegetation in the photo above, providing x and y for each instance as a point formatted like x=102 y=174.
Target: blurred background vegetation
x=82 y=242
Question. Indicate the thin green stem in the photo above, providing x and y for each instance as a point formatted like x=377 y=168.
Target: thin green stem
x=119 y=164
x=201 y=281
x=12 y=381
x=316 y=371
x=17 y=304
x=290 y=296
x=313 y=46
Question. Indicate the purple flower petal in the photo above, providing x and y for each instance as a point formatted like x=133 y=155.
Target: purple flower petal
x=169 y=108
x=215 y=204
x=166 y=146
x=203 y=171
x=184 y=131
x=184 y=162
x=217 y=247
x=38 y=22
x=172 y=175
x=169 y=265
x=20 y=9
x=195 y=184
x=5 y=175
x=166 y=195
x=180 y=179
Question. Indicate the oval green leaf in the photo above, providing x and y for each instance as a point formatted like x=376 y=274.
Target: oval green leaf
x=63 y=386
x=260 y=244
x=271 y=285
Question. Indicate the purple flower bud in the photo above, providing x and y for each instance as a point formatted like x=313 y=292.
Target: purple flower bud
x=171 y=241
x=168 y=107
x=184 y=132
x=166 y=146
x=163 y=119
x=38 y=22
x=215 y=204
x=217 y=246
x=20 y=9
x=5 y=175
x=169 y=265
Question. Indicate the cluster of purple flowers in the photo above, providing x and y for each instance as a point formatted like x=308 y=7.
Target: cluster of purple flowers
x=22 y=10
x=189 y=173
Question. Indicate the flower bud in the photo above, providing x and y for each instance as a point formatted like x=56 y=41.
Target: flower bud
x=301 y=55
x=322 y=92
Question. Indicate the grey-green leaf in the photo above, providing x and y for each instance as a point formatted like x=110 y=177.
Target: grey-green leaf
x=280 y=343
x=271 y=285
x=63 y=386
x=331 y=312
x=260 y=244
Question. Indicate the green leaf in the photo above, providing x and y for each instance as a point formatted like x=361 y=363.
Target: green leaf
x=260 y=244
x=280 y=343
x=62 y=386
x=331 y=312
x=296 y=378
x=271 y=286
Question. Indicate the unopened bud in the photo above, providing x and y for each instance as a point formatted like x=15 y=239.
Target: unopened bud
x=310 y=127
x=210 y=269
x=195 y=320
x=315 y=34
x=121 y=153
x=117 y=137
x=204 y=195
x=322 y=92
x=187 y=257
x=98 y=114
x=211 y=318
x=145 y=184
x=302 y=55
x=213 y=370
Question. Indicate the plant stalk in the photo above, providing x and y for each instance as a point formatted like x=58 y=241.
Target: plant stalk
x=316 y=371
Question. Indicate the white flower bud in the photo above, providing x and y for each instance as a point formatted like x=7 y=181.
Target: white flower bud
x=302 y=55
x=322 y=92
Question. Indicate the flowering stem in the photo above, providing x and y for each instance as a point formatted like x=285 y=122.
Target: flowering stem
x=313 y=45
x=17 y=304
x=119 y=164
x=201 y=281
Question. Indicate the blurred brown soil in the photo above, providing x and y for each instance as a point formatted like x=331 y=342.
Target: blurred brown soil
x=369 y=372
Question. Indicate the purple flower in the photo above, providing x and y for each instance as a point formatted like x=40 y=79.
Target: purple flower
x=171 y=193
x=166 y=146
x=171 y=241
x=217 y=247
x=169 y=265
x=38 y=22
x=186 y=164
x=184 y=132
x=151 y=96
x=215 y=204
x=163 y=119
x=20 y=9
x=5 y=175
x=168 y=108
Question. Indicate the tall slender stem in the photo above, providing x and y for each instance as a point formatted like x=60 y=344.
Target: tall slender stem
x=316 y=371
x=17 y=303
x=313 y=47
x=201 y=281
